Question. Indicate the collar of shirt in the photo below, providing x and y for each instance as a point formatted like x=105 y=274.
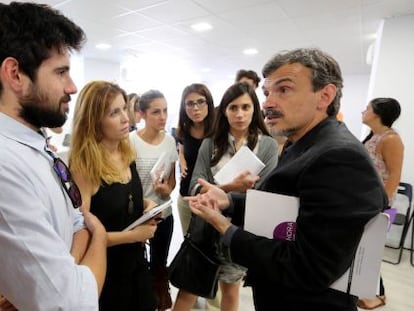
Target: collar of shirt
x=232 y=144
x=17 y=131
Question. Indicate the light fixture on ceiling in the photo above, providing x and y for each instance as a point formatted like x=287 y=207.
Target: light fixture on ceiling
x=251 y=51
x=103 y=46
x=205 y=69
x=201 y=27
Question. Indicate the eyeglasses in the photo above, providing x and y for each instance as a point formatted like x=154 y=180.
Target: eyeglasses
x=65 y=177
x=199 y=103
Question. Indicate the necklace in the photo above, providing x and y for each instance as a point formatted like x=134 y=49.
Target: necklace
x=129 y=183
x=130 y=204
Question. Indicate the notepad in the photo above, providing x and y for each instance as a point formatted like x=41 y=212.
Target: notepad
x=150 y=214
x=244 y=159
x=161 y=168
x=274 y=216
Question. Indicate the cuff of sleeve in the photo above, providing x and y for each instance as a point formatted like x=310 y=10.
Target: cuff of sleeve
x=78 y=221
x=228 y=235
x=231 y=204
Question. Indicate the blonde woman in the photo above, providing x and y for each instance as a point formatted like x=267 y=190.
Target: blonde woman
x=103 y=165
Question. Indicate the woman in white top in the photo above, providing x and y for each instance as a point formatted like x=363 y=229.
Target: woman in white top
x=151 y=144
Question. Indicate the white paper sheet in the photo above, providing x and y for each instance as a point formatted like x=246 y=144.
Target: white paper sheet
x=243 y=159
x=273 y=215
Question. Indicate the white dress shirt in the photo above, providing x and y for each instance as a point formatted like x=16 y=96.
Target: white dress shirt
x=37 y=223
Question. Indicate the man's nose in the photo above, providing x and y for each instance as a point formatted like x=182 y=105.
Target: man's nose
x=71 y=88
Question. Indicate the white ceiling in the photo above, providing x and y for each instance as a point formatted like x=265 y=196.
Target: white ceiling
x=344 y=28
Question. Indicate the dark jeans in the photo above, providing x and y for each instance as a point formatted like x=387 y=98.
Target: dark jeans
x=160 y=244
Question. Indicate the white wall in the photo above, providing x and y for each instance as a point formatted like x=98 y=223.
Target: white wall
x=354 y=101
x=84 y=70
x=135 y=79
x=96 y=69
x=393 y=77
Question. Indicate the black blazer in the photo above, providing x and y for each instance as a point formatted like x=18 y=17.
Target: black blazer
x=339 y=191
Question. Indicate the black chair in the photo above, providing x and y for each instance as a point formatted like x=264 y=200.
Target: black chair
x=401 y=222
x=411 y=221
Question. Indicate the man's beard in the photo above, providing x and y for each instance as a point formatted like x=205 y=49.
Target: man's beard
x=37 y=109
x=273 y=131
x=283 y=132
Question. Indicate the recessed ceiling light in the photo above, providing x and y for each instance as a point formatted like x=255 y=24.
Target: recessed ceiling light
x=250 y=51
x=103 y=46
x=201 y=26
x=205 y=70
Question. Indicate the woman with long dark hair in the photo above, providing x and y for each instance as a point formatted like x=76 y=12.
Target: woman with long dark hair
x=238 y=122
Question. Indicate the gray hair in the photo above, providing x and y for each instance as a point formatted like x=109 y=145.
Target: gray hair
x=325 y=70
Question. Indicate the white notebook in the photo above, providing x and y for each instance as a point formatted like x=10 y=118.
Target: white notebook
x=148 y=215
x=161 y=168
x=243 y=159
x=274 y=215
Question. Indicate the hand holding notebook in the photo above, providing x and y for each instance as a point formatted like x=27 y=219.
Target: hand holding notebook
x=244 y=159
x=148 y=215
x=161 y=168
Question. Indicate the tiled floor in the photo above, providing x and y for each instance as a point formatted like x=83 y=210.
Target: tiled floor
x=399 y=283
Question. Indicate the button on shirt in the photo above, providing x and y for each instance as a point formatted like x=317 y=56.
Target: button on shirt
x=37 y=223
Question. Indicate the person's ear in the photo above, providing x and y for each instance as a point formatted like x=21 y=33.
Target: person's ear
x=143 y=114
x=11 y=75
x=327 y=95
x=138 y=115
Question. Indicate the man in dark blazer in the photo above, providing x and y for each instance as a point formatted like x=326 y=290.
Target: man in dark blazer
x=323 y=165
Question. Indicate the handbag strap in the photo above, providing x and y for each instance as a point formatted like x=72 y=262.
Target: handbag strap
x=194 y=246
x=190 y=227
